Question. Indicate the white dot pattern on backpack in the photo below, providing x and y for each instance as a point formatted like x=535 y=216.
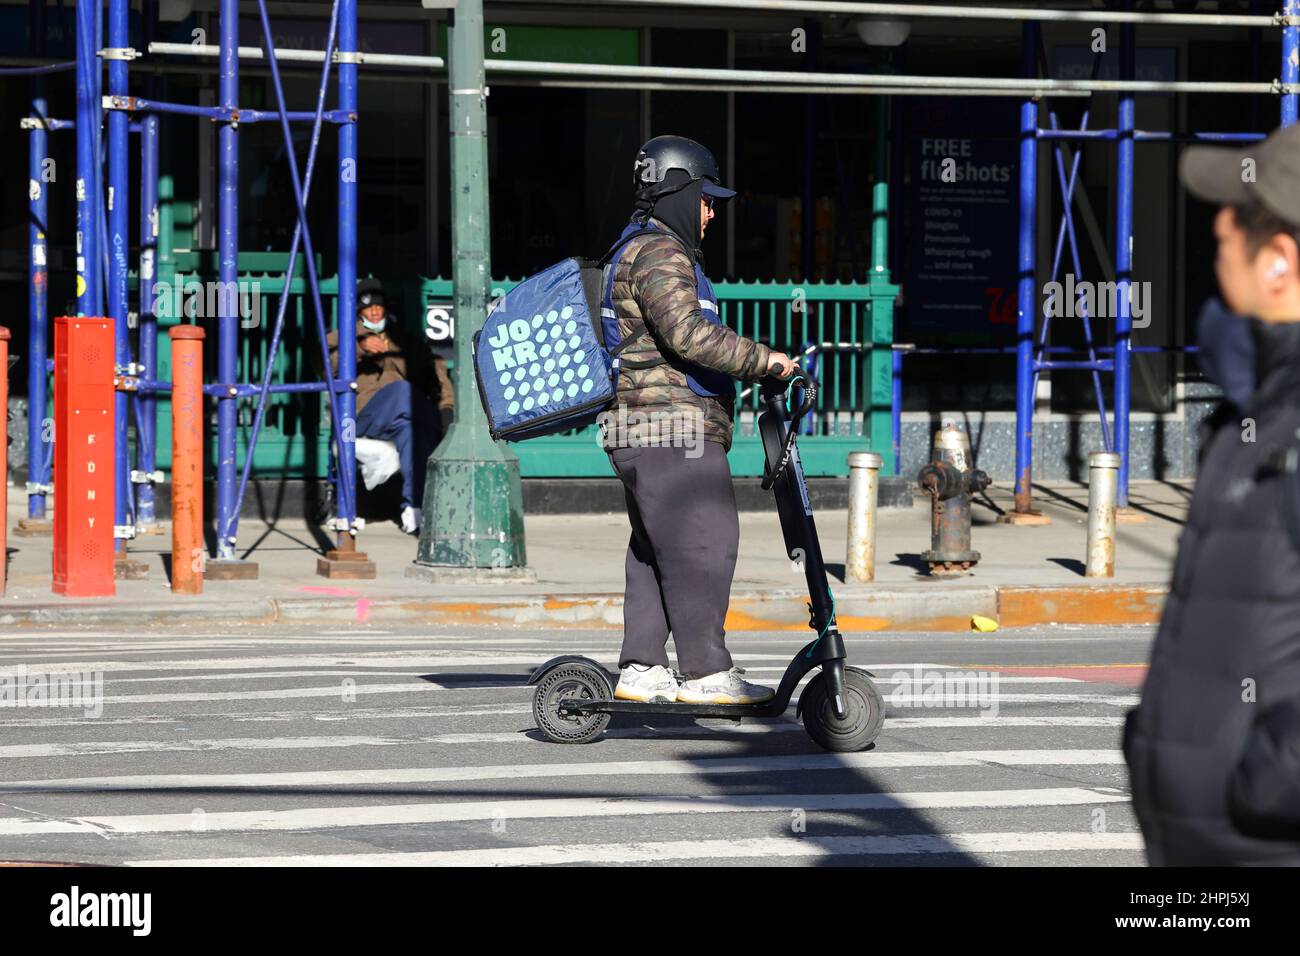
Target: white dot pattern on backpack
x=562 y=368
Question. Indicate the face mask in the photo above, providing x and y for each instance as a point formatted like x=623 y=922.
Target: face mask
x=374 y=326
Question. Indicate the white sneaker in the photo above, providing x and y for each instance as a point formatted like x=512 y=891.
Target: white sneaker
x=646 y=684
x=724 y=687
x=411 y=520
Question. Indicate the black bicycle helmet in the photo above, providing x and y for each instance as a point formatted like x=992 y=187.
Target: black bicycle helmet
x=662 y=154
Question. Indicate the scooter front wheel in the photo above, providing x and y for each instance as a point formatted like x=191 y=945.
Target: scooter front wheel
x=864 y=713
x=570 y=681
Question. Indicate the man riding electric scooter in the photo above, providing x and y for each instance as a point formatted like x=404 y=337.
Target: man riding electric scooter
x=668 y=435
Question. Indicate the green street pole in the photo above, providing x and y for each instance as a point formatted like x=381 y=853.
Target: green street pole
x=473 y=501
x=882 y=292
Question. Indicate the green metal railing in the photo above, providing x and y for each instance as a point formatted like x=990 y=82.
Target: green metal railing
x=856 y=319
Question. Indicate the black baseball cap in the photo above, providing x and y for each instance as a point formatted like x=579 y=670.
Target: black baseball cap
x=1266 y=173
x=369 y=292
x=710 y=188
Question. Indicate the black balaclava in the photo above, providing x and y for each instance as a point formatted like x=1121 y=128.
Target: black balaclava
x=679 y=210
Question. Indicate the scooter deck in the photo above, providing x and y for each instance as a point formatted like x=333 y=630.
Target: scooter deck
x=730 y=711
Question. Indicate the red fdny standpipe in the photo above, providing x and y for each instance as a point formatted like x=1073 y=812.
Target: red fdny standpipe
x=84 y=433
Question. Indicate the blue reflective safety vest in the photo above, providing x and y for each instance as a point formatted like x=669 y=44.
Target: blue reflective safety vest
x=705 y=382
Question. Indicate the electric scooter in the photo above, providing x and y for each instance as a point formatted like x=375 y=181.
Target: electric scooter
x=840 y=707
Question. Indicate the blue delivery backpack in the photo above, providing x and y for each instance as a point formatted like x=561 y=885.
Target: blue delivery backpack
x=548 y=355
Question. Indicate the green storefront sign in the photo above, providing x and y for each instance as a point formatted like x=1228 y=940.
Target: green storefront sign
x=555 y=44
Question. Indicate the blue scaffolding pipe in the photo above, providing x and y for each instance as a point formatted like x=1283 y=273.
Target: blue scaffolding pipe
x=282 y=307
x=146 y=421
x=88 y=100
x=896 y=408
x=1290 y=60
x=44 y=70
x=347 y=269
x=222 y=113
x=52 y=125
x=38 y=447
x=1067 y=231
x=1093 y=365
x=341 y=405
x=284 y=388
x=901 y=350
x=228 y=274
x=117 y=248
x=146 y=405
x=1126 y=115
x=47 y=124
x=1144 y=136
x=1026 y=297
x=146 y=386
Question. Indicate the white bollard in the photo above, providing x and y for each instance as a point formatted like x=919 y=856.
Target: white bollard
x=1103 y=493
x=864 y=491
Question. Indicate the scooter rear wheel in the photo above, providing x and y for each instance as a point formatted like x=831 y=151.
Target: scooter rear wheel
x=573 y=680
x=865 y=713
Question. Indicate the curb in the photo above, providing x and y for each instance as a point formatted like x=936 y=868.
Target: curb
x=857 y=609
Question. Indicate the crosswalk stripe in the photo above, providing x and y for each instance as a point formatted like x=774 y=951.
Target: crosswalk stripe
x=82 y=748
x=432 y=713
x=1003 y=721
x=423 y=657
x=284 y=675
x=515 y=684
x=391 y=659
x=406 y=814
x=761 y=847
x=871 y=760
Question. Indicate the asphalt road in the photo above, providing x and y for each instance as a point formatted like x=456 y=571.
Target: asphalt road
x=362 y=746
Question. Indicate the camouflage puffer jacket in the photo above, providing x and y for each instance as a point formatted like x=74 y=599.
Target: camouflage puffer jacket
x=654 y=289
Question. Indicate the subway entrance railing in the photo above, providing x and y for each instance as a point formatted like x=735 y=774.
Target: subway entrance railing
x=843 y=330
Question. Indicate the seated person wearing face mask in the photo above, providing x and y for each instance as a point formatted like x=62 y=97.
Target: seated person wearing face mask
x=397 y=387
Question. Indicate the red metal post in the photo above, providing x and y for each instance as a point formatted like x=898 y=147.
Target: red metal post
x=83 y=456
x=188 y=556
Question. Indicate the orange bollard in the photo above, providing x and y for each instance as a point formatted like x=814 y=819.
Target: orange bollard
x=4 y=456
x=84 y=440
x=187 y=459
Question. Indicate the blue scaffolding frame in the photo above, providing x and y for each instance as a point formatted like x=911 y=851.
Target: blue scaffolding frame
x=103 y=247
x=1031 y=350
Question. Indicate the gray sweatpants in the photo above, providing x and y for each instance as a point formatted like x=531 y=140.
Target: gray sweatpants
x=681 y=556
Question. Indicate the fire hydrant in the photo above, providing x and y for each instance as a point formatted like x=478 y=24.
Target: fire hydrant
x=952 y=480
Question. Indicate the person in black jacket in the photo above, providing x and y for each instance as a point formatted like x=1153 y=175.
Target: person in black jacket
x=1213 y=749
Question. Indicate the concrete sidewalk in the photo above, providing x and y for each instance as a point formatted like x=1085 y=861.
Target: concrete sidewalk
x=1027 y=575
